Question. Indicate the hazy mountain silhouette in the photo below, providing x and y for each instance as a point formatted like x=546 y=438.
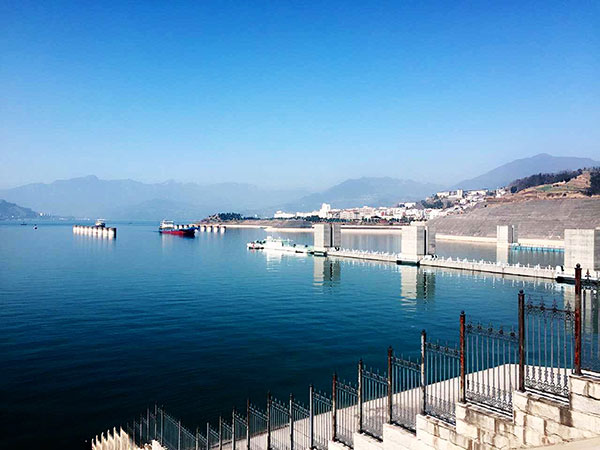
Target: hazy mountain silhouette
x=12 y=211
x=520 y=168
x=91 y=197
x=128 y=199
x=372 y=191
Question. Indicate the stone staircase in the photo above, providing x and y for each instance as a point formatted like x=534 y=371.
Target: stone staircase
x=536 y=421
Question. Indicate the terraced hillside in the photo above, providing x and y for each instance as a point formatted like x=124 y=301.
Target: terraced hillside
x=536 y=218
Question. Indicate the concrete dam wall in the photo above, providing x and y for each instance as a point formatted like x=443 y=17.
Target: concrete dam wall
x=539 y=219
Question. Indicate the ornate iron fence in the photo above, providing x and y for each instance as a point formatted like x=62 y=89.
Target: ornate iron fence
x=225 y=435
x=213 y=439
x=321 y=419
x=590 y=323
x=548 y=347
x=404 y=391
x=301 y=426
x=490 y=358
x=239 y=431
x=258 y=423
x=345 y=411
x=279 y=425
x=373 y=401
x=440 y=375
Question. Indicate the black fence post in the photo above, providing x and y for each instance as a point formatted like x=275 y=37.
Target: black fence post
x=162 y=426
x=220 y=433
x=360 y=396
x=577 y=363
x=233 y=429
x=423 y=373
x=521 y=386
x=155 y=420
x=334 y=407
x=462 y=397
x=248 y=420
x=269 y=420
x=207 y=436
x=390 y=385
x=311 y=415
x=197 y=438
x=291 y=421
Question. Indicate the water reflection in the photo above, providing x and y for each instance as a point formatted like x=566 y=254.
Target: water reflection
x=417 y=284
x=492 y=252
x=374 y=241
x=326 y=271
x=94 y=242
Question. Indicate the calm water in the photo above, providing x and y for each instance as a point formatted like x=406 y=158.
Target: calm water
x=94 y=331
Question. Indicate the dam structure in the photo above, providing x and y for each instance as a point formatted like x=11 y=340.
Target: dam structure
x=211 y=228
x=418 y=248
x=536 y=384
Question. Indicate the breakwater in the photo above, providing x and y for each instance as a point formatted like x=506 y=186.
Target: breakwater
x=101 y=232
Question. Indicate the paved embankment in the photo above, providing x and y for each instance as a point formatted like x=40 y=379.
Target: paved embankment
x=544 y=219
x=490 y=267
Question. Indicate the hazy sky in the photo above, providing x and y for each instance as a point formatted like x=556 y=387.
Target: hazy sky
x=302 y=93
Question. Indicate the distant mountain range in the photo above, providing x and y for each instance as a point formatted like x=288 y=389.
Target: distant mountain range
x=374 y=191
x=11 y=211
x=520 y=168
x=127 y=199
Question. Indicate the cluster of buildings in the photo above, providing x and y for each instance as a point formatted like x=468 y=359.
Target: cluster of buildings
x=440 y=204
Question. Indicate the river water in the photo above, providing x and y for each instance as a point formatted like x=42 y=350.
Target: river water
x=94 y=331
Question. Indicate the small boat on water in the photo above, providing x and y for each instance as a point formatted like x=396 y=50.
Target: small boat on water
x=271 y=243
x=169 y=227
x=100 y=223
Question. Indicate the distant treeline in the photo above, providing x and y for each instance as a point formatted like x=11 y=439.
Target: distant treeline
x=595 y=182
x=225 y=217
x=550 y=178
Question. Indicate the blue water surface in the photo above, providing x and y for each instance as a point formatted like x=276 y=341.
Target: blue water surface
x=93 y=331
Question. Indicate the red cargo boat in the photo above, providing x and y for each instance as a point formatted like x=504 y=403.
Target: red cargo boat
x=168 y=227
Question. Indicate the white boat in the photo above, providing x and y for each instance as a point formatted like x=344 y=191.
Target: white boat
x=284 y=245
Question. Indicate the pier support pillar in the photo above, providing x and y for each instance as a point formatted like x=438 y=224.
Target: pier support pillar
x=506 y=235
x=326 y=236
x=582 y=246
x=414 y=242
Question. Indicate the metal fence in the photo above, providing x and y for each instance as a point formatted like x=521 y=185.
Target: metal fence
x=225 y=435
x=300 y=424
x=257 y=428
x=548 y=346
x=373 y=401
x=490 y=358
x=441 y=374
x=213 y=438
x=345 y=411
x=279 y=425
x=590 y=323
x=239 y=431
x=405 y=394
x=321 y=418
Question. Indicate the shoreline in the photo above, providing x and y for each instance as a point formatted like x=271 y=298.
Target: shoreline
x=390 y=230
x=526 y=242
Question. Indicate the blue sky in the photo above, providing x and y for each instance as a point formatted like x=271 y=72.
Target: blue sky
x=293 y=94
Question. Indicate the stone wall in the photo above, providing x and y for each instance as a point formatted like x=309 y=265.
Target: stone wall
x=536 y=421
x=536 y=219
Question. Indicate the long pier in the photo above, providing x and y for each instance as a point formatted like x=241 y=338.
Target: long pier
x=536 y=271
